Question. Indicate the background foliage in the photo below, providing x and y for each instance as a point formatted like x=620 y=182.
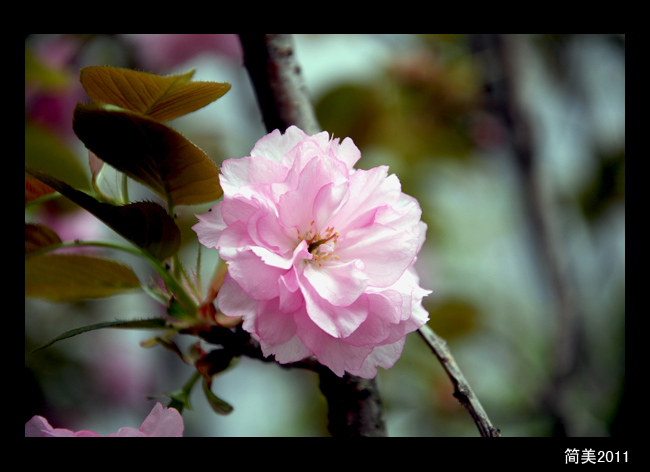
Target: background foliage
x=418 y=104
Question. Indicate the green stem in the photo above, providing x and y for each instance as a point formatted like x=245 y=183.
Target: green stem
x=176 y=262
x=170 y=282
x=180 y=400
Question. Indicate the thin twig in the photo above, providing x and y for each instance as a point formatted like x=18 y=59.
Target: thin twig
x=462 y=391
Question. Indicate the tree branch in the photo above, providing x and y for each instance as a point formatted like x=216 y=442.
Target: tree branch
x=354 y=404
x=281 y=93
x=462 y=391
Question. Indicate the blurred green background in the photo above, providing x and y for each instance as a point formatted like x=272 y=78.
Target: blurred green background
x=515 y=148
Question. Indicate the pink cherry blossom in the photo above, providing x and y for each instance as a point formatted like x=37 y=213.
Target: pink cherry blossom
x=161 y=422
x=320 y=255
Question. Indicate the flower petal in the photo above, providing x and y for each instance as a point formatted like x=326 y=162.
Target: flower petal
x=386 y=252
x=36 y=426
x=291 y=298
x=233 y=301
x=296 y=206
x=330 y=351
x=384 y=356
x=248 y=174
x=337 y=321
x=276 y=260
x=338 y=283
x=275 y=144
x=127 y=433
x=277 y=333
x=347 y=152
x=327 y=202
x=163 y=422
x=232 y=238
x=381 y=321
x=369 y=190
x=210 y=226
x=257 y=279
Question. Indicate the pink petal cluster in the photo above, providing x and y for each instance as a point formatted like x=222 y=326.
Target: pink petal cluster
x=320 y=255
x=161 y=422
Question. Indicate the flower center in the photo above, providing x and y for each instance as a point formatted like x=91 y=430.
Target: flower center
x=316 y=240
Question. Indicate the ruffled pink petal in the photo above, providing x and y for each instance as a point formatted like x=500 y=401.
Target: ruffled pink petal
x=347 y=152
x=328 y=200
x=410 y=290
x=275 y=260
x=277 y=334
x=378 y=326
x=386 y=252
x=163 y=422
x=296 y=206
x=233 y=301
x=66 y=433
x=79 y=434
x=233 y=238
x=256 y=278
x=332 y=352
x=36 y=426
x=384 y=356
x=418 y=318
x=127 y=433
x=368 y=190
x=291 y=298
x=337 y=321
x=210 y=226
x=337 y=282
x=238 y=208
x=404 y=214
x=273 y=235
x=237 y=174
x=305 y=150
x=275 y=144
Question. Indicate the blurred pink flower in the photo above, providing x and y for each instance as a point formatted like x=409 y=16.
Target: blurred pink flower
x=162 y=52
x=161 y=422
x=320 y=255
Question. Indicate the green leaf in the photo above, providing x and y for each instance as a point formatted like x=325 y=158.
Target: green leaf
x=39 y=236
x=180 y=399
x=218 y=405
x=160 y=98
x=71 y=277
x=149 y=152
x=177 y=310
x=154 y=323
x=44 y=151
x=146 y=224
